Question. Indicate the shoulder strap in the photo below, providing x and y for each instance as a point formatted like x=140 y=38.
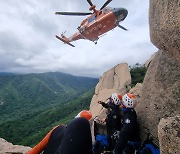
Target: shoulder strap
x=153 y=149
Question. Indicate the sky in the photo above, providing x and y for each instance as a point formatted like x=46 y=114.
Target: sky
x=28 y=43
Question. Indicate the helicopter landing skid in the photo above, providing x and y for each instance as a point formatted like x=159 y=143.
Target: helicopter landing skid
x=61 y=39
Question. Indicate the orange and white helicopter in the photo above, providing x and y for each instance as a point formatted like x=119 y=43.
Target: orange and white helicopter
x=98 y=23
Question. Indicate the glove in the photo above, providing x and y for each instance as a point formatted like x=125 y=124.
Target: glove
x=99 y=102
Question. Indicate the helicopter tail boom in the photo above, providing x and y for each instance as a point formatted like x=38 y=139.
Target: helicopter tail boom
x=64 y=39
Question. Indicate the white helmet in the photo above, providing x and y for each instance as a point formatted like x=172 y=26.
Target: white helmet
x=117 y=98
x=129 y=100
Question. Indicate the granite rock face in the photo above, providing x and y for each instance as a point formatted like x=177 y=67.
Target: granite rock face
x=115 y=80
x=161 y=85
x=160 y=93
x=169 y=135
x=6 y=147
x=164 y=20
x=137 y=90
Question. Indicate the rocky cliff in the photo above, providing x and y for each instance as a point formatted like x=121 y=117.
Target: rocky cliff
x=169 y=135
x=6 y=147
x=117 y=79
x=161 y=86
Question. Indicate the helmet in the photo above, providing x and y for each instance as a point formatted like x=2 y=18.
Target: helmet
x=117 y=98
x=85 y=114
x=129 y=100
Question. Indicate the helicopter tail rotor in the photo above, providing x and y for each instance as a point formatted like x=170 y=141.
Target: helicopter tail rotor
x=62 y=34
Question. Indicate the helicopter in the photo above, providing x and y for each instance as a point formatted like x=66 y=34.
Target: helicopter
x=96 y=24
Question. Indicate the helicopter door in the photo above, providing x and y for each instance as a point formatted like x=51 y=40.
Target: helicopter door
x=92 y=28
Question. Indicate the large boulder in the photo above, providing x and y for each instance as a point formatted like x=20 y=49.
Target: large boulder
x=137 y=90
x=161 y=85
x=169 y=135
x=6 y=147
x=147 y=63
x=165 y=26
x=117 y=79
x=160 y=93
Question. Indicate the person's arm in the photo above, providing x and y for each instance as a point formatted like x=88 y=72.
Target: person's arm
x=105 y=105
x=41 y=145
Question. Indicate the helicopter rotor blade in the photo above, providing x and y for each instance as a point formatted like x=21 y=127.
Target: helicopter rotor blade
x=73 y=13
x=122 y=27
x=105 y=4
x=90 y=3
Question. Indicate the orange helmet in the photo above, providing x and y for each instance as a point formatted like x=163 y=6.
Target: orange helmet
x=85 y=114
x=129 y=100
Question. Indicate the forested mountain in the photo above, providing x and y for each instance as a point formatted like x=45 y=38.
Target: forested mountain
x=34 y=92
x=31 y=104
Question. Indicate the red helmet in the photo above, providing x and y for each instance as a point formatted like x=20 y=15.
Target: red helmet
x=85 y=114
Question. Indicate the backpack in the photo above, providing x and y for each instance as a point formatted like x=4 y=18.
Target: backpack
x=101 y=143
x=102 y=140
x=149 y=147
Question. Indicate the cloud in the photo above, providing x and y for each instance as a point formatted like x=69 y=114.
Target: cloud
x=28 y=43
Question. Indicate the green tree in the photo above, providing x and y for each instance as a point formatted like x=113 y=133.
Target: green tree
x=138 y=72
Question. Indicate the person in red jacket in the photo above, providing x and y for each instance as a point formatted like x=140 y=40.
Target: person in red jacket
x=73 y=138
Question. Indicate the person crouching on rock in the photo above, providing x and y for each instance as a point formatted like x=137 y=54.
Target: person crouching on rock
x=129 y=138
x=73 y=138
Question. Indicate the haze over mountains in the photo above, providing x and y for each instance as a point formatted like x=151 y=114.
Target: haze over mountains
x=35 y=102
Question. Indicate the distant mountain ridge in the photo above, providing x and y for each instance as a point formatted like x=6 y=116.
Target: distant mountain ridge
x=31 y=104
x=39 y=91
x=7 y=74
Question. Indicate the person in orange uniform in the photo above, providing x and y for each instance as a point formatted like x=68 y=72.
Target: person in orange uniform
x=73 y=138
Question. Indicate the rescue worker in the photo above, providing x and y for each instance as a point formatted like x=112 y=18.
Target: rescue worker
x=129 y=138
x=73 y=138
x=113 y=118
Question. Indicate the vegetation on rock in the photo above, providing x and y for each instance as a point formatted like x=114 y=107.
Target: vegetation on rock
x=137 y=72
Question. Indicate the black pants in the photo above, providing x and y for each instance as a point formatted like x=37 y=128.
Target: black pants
x=55 y=140
x=77 y=138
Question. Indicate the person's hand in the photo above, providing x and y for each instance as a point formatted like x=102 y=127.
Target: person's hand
x=103 y=120
x=99 y=102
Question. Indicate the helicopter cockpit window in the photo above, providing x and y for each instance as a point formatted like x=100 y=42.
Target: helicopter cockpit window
x=91 y=19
